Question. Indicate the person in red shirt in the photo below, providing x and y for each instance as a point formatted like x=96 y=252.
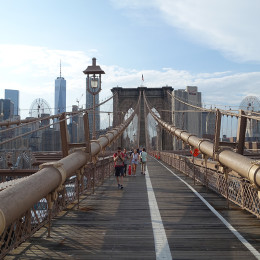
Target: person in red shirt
x=119 y=167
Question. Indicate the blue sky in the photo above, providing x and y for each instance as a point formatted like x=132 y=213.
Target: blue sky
x=211 y=44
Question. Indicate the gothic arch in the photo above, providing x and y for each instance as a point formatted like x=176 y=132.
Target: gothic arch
x=125 y=98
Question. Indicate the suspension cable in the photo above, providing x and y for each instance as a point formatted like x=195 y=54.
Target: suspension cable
x=24 y=122
x=222 y=111
x=244 y=166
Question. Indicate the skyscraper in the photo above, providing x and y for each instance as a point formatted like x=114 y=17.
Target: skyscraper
x=184 y=116
x=6 y=109
x=13 y=95
x=60 y=95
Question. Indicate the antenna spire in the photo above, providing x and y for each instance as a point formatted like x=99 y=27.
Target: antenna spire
x=60 y=68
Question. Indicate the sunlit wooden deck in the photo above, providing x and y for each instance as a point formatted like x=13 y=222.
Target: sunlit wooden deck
x=116 y=224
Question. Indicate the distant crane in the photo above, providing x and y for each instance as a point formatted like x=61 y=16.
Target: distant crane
x=78 y=99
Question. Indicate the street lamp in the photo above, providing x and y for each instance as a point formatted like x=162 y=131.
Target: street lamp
x=93 y=73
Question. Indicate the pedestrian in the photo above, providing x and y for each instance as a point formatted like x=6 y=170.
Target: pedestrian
x=134 y=161
x=119 y=167
x=143 y=159
x=126 y=161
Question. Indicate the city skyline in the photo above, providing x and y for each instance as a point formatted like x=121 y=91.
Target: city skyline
x=209 y=44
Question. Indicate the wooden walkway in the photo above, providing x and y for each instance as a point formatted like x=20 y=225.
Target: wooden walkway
x=116 y=224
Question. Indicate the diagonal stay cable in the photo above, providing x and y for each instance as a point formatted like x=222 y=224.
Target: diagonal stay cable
x=25 y=122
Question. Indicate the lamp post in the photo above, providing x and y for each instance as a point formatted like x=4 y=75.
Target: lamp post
x=93 y=73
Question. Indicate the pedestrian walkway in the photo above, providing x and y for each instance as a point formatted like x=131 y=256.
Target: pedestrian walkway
x=126 y=224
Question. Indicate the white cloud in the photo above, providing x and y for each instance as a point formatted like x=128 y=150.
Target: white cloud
x=230 y=27
x=217 y=88
x=34 y=72
x=134 y=9
x=132 y=4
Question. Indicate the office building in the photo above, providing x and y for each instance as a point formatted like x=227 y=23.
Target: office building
x=6 y=109
x=186 y=117
x=60 y=95
x=13 y=95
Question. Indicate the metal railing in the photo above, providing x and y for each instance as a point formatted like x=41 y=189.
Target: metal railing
x=21 y=212
x=40 y=214
x=233 y=187
x=245 y=167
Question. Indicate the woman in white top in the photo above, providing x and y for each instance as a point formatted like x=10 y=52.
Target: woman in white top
x=134 y=161
x=143 y=159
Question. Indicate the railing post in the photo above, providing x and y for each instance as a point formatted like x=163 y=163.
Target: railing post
x=80 y=182
x=241 y=131
x=94 y=172
x=50 y=200
x=242 y=193
x=88 y=147
x=93 y=178
x=206 y=172
x=64 y=135
x=217 y=133
x=86 y=131
x=78 y=188
x=225 y=170
x=109 y=167
x=185 y=166
x=49 y=222
x=194 y=177
x=103 y=167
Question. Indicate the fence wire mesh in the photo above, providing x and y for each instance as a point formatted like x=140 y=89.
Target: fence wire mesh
x=39 y=215
x=236 y=189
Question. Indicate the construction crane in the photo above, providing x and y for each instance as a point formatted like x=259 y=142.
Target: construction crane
x=78 y=99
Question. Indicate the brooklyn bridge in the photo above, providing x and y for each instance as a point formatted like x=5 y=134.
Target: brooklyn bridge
x=199 y=198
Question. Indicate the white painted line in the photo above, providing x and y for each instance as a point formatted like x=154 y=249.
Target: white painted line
x=162 y=249
x=224 y=221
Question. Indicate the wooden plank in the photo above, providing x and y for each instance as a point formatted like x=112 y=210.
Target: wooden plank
x=116 y=224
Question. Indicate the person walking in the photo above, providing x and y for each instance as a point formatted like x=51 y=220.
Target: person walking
x=134 y=161
x=143 y=159
x=119 y=167
x=126 y=161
